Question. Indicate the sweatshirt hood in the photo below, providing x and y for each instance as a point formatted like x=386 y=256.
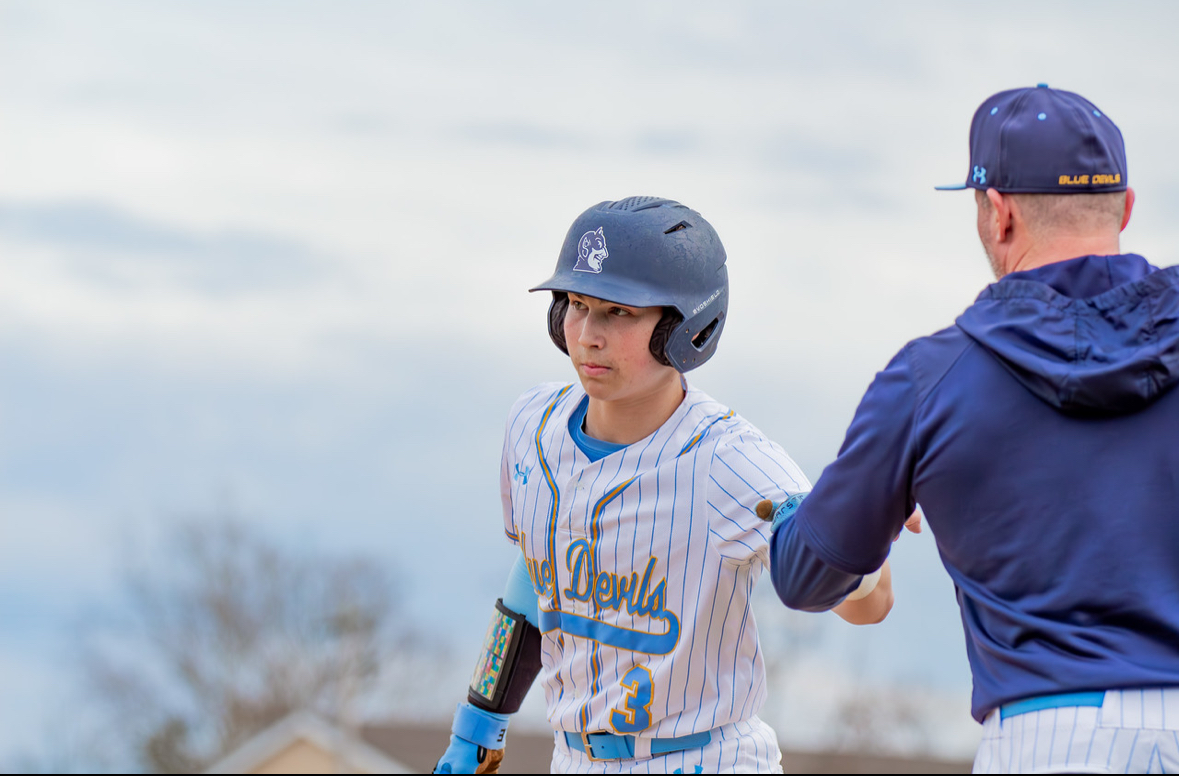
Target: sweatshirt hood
x=1095 y=335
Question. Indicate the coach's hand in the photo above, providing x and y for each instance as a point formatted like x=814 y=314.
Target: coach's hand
x=462 y=756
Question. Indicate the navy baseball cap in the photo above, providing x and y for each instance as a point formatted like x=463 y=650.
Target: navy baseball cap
x=1043 y=141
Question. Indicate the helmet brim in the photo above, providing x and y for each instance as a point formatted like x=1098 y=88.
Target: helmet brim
x=606 y=288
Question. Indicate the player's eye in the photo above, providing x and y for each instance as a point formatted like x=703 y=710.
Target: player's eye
x=576 y=305
x=620 y=311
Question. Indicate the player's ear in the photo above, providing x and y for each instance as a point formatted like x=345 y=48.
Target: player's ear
x=1129 y=207
x=1000 y=215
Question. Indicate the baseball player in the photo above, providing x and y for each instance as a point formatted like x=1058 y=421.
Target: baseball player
x=1040 y=434
x=632 y=497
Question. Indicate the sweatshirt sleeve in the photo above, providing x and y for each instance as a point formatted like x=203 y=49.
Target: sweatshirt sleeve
x=845 y=528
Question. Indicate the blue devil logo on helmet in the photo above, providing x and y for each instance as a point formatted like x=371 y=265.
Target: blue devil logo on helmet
x=591 y=251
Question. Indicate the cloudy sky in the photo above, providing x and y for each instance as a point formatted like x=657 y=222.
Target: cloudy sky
x=274 y=255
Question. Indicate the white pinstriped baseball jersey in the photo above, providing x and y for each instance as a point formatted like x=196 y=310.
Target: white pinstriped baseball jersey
x=644 y=563
x=1133 y=731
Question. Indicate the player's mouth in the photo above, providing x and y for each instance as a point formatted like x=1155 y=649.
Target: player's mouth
x=590 y=369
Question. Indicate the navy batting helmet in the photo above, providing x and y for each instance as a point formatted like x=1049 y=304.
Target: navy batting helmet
x=647 y=252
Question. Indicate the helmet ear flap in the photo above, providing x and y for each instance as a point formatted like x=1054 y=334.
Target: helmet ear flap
x=662 y=333
x=557 y=312
x=659 y=336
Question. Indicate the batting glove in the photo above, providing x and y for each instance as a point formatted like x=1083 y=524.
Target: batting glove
x=473 y=735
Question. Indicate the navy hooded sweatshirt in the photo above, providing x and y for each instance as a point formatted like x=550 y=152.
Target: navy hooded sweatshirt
x=1040 y=436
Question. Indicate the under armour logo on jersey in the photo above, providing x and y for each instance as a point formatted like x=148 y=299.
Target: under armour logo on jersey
x=522 y=474
x=980 y=175
x=591 y=251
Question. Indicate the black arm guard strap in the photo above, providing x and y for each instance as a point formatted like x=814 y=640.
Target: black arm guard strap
x=509 y=663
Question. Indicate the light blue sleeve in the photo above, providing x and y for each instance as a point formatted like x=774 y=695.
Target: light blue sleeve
x=519 y=595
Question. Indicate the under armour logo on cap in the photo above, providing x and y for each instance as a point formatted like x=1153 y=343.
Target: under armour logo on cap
x=980 y=175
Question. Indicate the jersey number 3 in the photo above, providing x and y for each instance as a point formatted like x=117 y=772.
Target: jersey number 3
x=635 y=714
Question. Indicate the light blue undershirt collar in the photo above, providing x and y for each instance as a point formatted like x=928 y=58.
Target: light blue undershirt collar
x=594 y=449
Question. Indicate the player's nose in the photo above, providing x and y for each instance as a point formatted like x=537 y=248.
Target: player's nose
x=590 y=333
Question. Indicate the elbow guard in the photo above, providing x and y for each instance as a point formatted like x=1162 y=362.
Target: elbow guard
x=508 y=665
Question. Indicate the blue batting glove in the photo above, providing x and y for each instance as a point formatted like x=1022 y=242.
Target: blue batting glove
x=473 y=733
x=460 y=757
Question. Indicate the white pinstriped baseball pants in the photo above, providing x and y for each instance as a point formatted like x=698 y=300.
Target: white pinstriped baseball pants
x=1133 y=731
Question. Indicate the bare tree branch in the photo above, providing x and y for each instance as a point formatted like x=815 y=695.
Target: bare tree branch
x=221 y=633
